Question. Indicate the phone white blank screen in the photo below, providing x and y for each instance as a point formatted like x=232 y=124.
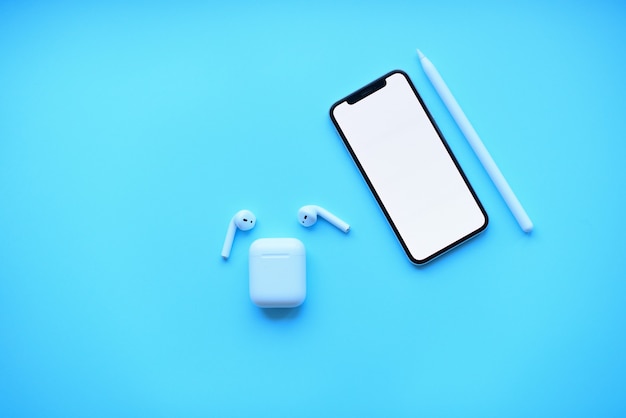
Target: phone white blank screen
x=412 y=174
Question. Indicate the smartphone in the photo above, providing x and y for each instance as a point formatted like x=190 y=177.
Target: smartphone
x=409 y=167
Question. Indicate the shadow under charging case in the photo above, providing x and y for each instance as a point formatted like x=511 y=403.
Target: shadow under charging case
x=277 y=272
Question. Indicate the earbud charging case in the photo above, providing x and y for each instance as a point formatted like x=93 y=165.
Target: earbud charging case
x=277 y=272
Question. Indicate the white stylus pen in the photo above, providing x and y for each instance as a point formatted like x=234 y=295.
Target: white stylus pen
x=477 y=145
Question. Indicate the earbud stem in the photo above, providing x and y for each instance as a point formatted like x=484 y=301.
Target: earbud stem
x=332 y=219
x=228 y=242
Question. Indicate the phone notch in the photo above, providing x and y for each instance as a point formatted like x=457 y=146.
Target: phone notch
x=366 y=91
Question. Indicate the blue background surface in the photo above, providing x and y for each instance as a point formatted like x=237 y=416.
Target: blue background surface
x=131 y=133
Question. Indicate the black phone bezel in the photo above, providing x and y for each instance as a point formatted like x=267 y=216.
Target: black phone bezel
x=362 y=93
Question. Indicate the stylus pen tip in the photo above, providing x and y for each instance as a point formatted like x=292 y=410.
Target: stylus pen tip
x=419 y=54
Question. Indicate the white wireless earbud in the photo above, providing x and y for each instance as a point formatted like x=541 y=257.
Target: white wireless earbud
x=307 y=216
x=244 y=220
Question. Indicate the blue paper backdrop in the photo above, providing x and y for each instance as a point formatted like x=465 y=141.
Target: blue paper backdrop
x=130 y=133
